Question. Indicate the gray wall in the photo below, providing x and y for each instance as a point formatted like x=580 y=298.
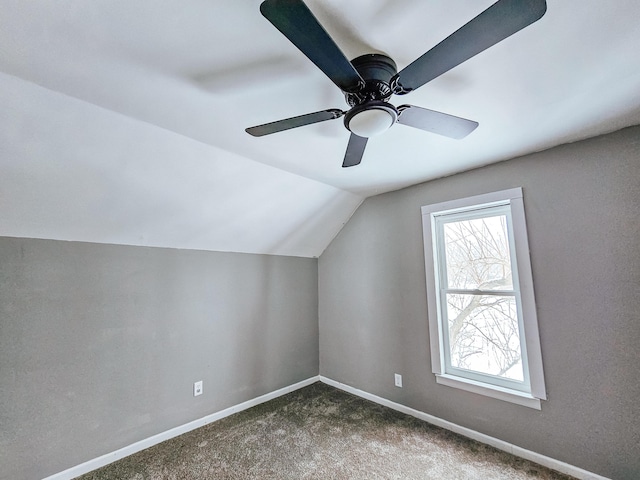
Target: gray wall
x=581 y=202
x=100 y=344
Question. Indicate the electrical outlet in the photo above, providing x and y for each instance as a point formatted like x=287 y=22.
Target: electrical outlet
x=398 y=379
x=197 y=388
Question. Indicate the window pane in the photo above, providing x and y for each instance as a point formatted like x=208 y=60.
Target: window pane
x=484 y=335
x=477 y=254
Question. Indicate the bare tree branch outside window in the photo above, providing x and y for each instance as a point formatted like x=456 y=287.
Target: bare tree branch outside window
x=483 y=327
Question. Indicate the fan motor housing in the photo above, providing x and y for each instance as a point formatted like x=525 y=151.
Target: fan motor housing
x=370 y=113
x=376 y=70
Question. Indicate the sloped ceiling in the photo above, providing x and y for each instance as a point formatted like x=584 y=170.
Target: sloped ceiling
x=123 y=121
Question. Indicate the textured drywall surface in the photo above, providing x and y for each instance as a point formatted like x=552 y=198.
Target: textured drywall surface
x=581 y=202
x=100 y=344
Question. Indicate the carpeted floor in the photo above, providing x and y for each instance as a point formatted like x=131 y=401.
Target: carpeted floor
x=320 y=432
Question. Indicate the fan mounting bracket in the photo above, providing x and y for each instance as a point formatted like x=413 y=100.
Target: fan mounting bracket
x=396 y=86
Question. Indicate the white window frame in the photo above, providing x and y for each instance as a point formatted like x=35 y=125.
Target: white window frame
x=509 y=202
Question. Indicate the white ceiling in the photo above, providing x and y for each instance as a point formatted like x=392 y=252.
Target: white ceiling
x=123 y=121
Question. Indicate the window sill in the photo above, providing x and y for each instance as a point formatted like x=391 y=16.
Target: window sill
x=504 y=394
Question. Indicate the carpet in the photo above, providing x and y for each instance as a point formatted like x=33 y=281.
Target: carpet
x=320 y=432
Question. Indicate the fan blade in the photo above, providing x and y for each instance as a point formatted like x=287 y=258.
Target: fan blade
x=294 y=122
x=355 y=150
x=296 y=22
x=499 y=21
x=435 y=122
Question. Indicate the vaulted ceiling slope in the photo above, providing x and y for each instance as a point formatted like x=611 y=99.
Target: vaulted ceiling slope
x=123 y=121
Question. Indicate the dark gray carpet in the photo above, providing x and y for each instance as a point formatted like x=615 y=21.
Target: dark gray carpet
x=320 y=432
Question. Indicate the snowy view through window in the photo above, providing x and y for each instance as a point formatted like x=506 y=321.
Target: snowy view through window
x=483 y=327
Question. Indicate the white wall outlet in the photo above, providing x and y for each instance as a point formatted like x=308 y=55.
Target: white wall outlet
x=398 y=379
x=197 y=388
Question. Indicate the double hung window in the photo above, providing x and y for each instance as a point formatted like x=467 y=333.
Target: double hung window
x=482 y=316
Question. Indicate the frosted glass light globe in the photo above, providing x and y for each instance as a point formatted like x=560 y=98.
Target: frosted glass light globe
x=371 y=122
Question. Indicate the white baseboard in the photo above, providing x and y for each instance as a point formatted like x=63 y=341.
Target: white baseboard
x=174 y=432
x=187 y=427
x=474 y=435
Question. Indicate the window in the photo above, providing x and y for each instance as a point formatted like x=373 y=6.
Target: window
x=482 y=316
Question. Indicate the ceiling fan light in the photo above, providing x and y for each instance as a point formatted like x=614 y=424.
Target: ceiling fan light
x=371 y=121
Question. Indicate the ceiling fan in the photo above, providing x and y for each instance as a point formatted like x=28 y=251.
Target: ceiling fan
x=369 y=81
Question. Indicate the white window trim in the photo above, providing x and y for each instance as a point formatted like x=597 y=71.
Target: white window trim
x=523 y=264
